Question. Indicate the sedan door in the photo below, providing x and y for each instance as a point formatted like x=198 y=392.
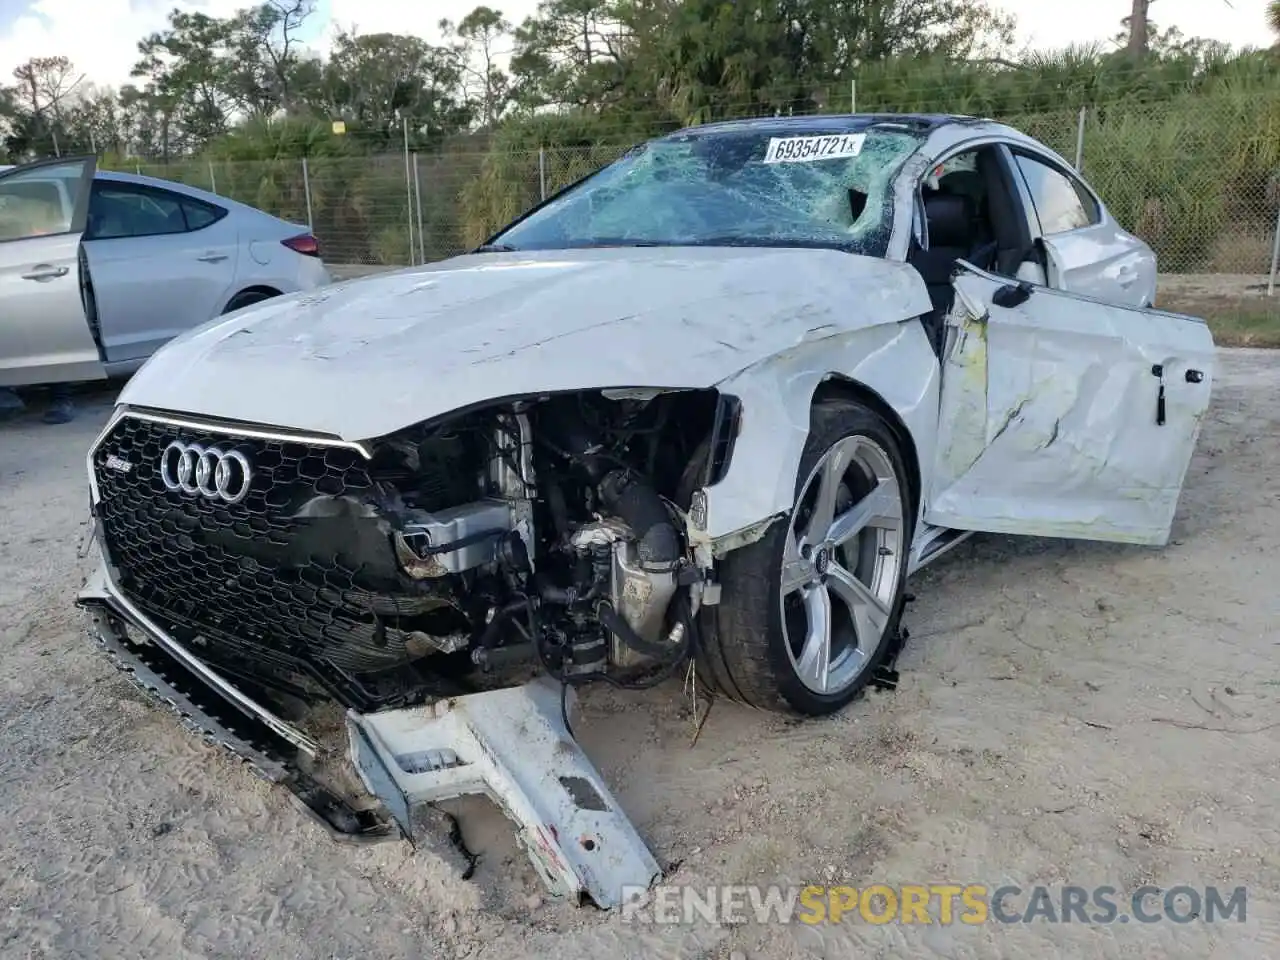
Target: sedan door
x=1064 y=416
x=1088 y=252
x=161 y=263
x=45 y=335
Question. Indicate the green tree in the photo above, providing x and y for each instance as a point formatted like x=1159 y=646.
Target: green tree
x=43 y=89
x=377 y=80
x=96 y=121
x=574 y=52
x=484 y=82
x=1139 y=26
x=708 y=57
x=188 y=74
x=266 y=49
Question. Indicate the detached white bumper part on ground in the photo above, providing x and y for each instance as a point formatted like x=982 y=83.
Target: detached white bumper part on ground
x=511 y=746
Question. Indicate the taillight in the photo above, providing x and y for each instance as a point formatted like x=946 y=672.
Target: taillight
x=303 y=243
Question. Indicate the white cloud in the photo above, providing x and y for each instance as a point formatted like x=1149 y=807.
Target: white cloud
x=101 y=36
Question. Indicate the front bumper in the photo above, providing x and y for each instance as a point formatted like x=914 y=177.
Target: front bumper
x=510 y=745
x=213 y=709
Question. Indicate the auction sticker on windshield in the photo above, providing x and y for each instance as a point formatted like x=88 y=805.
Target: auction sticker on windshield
x=806 y=149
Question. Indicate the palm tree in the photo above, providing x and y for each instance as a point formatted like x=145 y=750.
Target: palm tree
x=1139 y=21
x=1138 y=38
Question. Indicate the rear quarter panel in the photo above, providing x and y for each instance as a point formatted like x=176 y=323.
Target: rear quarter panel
x=266 y=262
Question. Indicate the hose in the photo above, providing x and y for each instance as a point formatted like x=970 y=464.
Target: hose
x=618 y=626
x=671 y=661
x=639 y=505
x=490 y=634
x=686 y=650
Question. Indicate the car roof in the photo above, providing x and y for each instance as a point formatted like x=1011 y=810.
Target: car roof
x=924 y=123
x=173 y=186
x=117 y=176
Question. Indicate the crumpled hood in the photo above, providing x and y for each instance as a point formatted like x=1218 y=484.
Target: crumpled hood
x=364 y=358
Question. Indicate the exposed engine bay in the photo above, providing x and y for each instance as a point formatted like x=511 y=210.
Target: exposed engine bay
x=546 y=532
x=553 y=530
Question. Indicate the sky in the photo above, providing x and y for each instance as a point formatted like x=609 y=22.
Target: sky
x=100 y=36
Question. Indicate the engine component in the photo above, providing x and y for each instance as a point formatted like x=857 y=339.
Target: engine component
x=584 y=649
x=436 y=470
x=602 y=532
x=513 y=472
x=452 y=540
x=644 y=566
x=419 y=644
x=513 y=475
x=639 y=592
x=639 y=505
x=642 y=596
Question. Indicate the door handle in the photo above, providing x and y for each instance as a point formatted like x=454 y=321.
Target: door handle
x=43 y=271
x=212 y=257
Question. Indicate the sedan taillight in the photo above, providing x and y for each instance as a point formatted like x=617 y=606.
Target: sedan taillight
x=303 y=243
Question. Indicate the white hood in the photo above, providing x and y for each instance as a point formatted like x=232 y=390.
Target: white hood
x=367 y=357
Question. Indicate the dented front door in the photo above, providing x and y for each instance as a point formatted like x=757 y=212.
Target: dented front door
x=1064 y=416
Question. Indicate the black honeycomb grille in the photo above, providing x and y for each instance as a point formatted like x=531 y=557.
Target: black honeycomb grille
x=251 y=581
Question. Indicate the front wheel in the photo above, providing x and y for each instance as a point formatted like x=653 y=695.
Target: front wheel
x=807 y=613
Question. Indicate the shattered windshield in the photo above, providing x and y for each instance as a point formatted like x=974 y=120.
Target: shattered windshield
x=744 y=187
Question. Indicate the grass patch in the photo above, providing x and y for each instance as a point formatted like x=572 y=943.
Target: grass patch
x=1235 y=322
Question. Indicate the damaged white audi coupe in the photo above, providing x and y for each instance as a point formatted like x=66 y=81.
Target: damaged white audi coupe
x=710 y=406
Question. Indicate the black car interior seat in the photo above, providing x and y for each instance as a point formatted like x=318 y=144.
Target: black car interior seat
x=954 y=234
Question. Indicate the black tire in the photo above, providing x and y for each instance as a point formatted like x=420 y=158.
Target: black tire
x=247 y=298
x=743 y=650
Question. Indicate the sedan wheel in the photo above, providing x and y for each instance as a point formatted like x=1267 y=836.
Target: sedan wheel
x=841 y=566
x=807 y=613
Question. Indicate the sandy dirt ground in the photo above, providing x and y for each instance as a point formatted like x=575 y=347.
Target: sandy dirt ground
x=1070 y=713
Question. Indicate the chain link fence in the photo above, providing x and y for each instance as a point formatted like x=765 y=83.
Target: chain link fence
x=1200 y=186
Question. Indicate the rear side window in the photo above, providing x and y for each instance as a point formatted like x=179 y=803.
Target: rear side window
x=1062 y=203
x=120 y=210
x=200 y=214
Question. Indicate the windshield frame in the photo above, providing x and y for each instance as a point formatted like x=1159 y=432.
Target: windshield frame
x=920 y=128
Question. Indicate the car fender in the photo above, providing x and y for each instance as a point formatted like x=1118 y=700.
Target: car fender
x=894 y=360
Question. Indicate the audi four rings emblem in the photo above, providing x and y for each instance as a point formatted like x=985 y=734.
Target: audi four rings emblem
x=217 y=474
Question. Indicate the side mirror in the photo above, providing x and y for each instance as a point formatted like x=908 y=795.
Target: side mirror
x=1013 y=294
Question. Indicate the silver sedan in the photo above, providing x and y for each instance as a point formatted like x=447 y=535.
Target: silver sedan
x=99 y=269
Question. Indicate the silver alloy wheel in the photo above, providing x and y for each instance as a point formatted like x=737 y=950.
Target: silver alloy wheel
x=842 y=561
